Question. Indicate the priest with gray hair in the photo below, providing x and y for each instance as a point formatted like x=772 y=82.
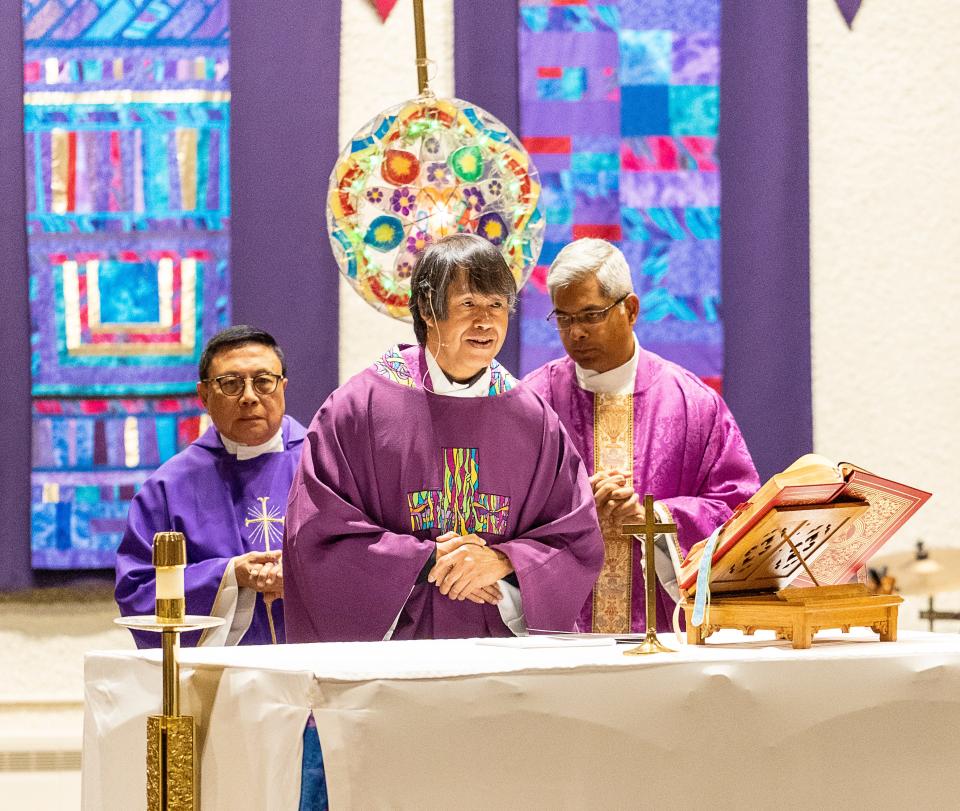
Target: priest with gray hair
x=435 y=498
x=642 y=425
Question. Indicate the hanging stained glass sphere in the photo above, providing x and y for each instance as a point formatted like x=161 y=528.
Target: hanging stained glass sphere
x=419 y=171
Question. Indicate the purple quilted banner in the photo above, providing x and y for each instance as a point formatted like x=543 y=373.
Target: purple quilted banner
x=126 y=129
x=619 y=107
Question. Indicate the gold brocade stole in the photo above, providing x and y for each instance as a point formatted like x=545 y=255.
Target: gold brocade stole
x=613 y=449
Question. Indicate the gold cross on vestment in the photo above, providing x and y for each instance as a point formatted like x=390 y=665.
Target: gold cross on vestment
x=264 y=521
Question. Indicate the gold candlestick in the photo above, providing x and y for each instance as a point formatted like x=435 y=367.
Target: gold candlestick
x=649 y=530
x=172 y=779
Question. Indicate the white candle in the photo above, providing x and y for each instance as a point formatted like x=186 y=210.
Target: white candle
x=169 y=582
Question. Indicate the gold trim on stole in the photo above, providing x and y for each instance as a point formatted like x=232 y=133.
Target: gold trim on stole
x=613 y=449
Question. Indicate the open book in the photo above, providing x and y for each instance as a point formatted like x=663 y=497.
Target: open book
x=836 y=553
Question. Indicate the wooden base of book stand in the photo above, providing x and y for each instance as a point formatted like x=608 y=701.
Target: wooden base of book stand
x=797 y=614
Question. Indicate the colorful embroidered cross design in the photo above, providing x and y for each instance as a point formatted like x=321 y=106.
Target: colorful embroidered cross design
x=459 y=506
x=393 y=367
x=501 y=380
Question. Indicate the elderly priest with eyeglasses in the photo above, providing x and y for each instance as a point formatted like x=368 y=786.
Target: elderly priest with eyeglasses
x=435 y=498
x=642 y=425
x=227 y=493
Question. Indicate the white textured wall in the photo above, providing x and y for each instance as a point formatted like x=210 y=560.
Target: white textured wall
x=43 y=639
x=377 y=70
x=885 y=246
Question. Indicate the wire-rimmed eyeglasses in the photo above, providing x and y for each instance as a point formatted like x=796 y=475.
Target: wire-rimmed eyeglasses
x=233 y=385
x=565 y=321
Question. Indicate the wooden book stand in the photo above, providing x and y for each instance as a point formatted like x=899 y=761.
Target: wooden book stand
x=749 y=585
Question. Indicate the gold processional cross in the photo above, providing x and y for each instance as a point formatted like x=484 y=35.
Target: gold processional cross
x=649 y=529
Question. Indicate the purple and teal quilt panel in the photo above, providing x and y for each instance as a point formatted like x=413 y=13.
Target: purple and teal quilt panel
x=90 y=457
x=619 y=108
x=126 y=132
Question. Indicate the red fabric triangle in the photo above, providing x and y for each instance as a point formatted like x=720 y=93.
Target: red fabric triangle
x=384 y=7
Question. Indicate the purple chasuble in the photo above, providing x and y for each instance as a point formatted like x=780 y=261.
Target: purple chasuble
x=225 y=507
x=687 y=452
x=389 y=466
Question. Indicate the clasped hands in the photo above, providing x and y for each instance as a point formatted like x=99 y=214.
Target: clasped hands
x=467 y=569
x=617 y=501
x=261 y=571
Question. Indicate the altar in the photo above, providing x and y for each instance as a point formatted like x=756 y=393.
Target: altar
x=458 y=723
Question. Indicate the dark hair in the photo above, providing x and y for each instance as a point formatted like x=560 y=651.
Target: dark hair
x=456 y=256
x=231 y=338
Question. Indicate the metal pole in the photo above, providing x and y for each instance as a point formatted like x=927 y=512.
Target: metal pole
x=421 y=37
x=650 y=577
x=171 y=674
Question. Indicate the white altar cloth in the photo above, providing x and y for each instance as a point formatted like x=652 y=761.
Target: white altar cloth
x=454 y=724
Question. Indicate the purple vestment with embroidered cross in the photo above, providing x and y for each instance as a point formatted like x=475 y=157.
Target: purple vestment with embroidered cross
x=225 y=507
x=390 y=466
x=687 y=452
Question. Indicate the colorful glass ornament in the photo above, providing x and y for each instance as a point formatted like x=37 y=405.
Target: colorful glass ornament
x=417 y=172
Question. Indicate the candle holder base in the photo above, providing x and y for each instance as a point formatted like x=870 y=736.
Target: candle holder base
x=171 y=763
x=649 y=646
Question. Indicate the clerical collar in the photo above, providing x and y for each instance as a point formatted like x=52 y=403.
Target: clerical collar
x=441 y=384
x=621 y=380
x=244 y=452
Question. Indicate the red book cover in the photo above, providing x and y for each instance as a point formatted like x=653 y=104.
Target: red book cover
x=891 y=506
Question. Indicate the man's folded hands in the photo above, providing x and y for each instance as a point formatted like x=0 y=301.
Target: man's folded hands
x=260 y=571
x=467 y=569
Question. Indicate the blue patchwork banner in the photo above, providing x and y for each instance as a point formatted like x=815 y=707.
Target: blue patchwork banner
x=619 y=108
x=126 y=127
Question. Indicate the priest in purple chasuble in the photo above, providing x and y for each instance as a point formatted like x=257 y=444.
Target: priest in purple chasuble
x=227 y=493
x=642 y=425
x=434 y=497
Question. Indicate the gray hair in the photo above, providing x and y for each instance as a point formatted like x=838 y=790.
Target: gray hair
x=585 y=256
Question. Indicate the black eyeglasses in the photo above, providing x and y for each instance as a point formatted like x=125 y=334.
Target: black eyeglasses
x=233 y=385
x=564 y=321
